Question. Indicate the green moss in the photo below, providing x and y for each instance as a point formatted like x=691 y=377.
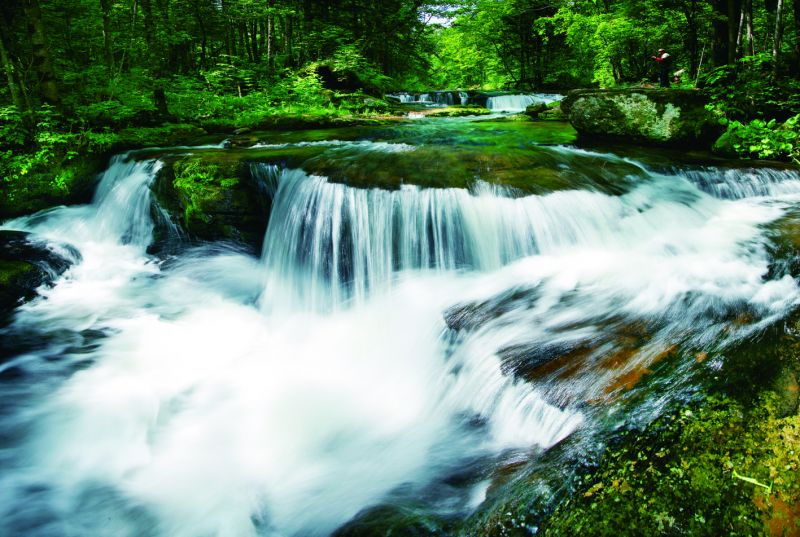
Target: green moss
x=201 y=185
x=386 y=520
x=459 y=111
x=64 y=182
x=722 y=466
x=166 y=135
x=11 y=272
x=678 y=477
x=212 y=196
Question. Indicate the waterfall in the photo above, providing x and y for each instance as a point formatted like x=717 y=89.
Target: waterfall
x=518 y=103
x=387 y=346
x=330 y=243
x=404 y=98
x=464 y=96
x=119 y=214
x=441 y=98
x=735 y=184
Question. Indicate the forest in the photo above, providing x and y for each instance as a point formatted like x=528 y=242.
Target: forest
x=94 y=66
x=399 y=267
x=77 y=72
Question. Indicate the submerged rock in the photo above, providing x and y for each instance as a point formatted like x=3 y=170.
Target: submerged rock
x=26 y=265
x=647 y=116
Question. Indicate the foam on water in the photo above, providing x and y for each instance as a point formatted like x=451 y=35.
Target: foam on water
x=362 y=145
x=219 y=394
x=519 y=102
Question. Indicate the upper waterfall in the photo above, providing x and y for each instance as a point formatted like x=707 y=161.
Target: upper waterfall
x=519 y=102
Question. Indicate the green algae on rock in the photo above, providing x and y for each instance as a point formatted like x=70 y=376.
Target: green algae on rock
x=212 y=199
x=647 y=116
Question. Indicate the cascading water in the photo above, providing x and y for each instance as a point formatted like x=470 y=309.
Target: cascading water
x=519 y=102
x=370 y=353
x=439 y=98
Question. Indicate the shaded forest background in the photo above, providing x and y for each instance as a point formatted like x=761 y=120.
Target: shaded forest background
x=108 y=59
x=88 y=76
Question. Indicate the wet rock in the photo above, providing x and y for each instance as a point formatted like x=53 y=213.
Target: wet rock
x=386 y=520
x=534 y=110
x=524 y=361
x=645 y=116
x=472 y=316
x=213 y=197
x=25 y=265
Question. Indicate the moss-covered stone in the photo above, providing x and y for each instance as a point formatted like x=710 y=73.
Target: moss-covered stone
x=724 y=465
x=457 y=111
x=213 y=198
x=68 y=182
x=724 y=146
x=24 y=267
x=692 y=472
x=660 y=117
x=389 y=521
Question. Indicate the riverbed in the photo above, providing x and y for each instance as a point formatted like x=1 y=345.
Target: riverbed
x=434 y=305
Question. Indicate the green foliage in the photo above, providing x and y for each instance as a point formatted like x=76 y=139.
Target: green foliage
x=766 y=139
x=747 y=89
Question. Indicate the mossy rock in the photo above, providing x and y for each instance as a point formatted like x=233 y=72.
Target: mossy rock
x=212 y=197
x=726 y=464
x=717 y=467
x=69 y=182
x=724 y=145
x=166 y=135
x=26 y=265
x=645 y=116
x=459 y=111
x=390 y=521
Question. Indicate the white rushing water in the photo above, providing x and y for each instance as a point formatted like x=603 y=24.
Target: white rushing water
x=218 y=394
x=519 y=102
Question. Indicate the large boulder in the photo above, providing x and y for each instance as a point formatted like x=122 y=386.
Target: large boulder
x=25 y=265
x=213 y=196
x=645 y=116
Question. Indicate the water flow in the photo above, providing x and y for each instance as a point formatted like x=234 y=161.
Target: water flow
x=385 y=341
x=518 y=103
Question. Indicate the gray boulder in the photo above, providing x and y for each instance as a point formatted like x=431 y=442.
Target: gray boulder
x=644 y=116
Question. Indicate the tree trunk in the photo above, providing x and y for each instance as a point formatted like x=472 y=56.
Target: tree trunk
x=271 y=36
x=796 y=5
x=719 y=49
x=11 y=77
x=733 y=17
x=751 y=40
x=156 y=63
x=290 y=40
x=203 y=36
x=108 y=55
x=691 y=26
x=739 y=32
x=42 y=62
x=778 y=40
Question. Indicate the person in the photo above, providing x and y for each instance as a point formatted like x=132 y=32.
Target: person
x=664 y=62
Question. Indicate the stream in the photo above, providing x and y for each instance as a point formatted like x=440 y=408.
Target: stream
x=434 y=301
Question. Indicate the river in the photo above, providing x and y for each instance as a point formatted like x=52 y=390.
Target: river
x=434 y=301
